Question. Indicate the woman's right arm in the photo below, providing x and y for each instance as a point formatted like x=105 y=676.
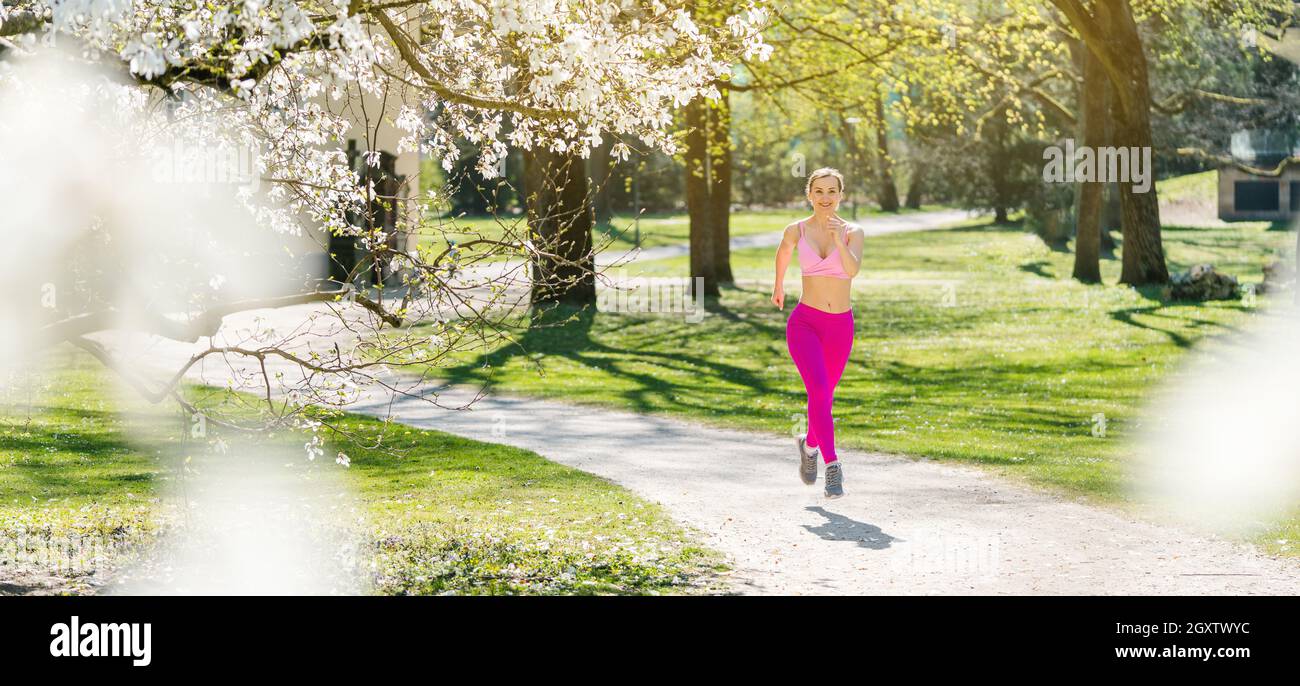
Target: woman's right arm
x=784 y=252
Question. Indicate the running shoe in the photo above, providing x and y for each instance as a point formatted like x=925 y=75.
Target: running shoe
x=834 y=480
x=807 y=461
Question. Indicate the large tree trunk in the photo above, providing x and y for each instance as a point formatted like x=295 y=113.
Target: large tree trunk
x=1092 y=119
x=560 y=216
x=719 y=137
x=1143 y=256
x=888 y=193
x=698 y=202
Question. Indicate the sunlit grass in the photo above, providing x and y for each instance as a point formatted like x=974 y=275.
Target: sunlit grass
x=972 y=344
x=81 y=470
x=1199 y=187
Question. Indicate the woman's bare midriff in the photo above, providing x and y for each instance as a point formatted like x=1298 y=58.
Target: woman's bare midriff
x=826 y=293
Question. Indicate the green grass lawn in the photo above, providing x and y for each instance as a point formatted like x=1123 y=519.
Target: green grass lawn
x=655 y=229
x=444 y=514
x=973 y=345
x=1198 y=187
x=660 y=229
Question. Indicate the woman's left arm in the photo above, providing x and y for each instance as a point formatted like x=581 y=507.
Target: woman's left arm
x=849 y=240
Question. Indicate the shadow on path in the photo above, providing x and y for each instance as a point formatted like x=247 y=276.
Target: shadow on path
x=837 y=527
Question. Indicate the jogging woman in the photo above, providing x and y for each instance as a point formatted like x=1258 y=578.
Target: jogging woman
x=819 y=332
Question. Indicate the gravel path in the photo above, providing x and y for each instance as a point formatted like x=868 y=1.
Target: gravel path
x=905 y=526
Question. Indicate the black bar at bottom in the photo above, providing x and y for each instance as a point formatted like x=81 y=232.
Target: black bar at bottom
x=207 y=636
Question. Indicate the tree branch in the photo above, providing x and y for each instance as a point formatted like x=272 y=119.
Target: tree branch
x=1229 y=161
x=1094 y=38
x=206 y=324
x=403 y=43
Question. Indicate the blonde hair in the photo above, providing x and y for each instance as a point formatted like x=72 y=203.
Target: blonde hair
x=823 y=173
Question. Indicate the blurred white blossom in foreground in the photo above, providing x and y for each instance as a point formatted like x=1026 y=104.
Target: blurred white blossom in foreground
x=1222 y=448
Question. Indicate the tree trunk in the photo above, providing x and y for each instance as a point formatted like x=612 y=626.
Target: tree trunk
x=1143 y=257
x=1092 y=118
x=917 y=187
x=1110 y=216
x=997 y=128
x=601 y=168
x=719 y=135
x=888 y=191
x=560 y=218
x=858 y=168
x=916 y=164
x=698 y=204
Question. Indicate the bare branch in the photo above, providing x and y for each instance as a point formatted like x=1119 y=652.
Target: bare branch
x=205 y=324
x=403 y=43
x=1229 y=161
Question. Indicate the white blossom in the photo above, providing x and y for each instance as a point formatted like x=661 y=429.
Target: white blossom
x=276 y=78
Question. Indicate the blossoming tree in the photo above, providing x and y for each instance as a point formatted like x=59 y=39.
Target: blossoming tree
x=548 y=75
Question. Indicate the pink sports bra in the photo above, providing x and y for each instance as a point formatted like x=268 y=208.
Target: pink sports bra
x=819 y=266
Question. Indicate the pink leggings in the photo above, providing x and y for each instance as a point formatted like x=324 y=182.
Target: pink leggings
x=819 y=343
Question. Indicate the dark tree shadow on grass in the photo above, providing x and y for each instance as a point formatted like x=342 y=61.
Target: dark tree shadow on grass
x=105 y=459
x=1038 y=268
x=567 y=332
x=998 y=380
x=1129 y=316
